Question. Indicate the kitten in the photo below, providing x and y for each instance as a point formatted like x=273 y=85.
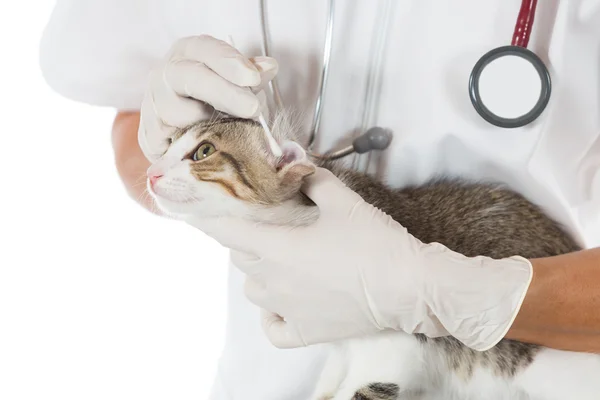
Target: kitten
x=224 y=167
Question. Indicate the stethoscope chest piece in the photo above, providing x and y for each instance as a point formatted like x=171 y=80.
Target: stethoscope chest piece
x=510 y=86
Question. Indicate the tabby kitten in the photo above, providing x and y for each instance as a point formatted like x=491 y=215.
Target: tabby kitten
x=224 y=167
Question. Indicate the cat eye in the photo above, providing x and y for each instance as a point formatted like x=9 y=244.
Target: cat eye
x=203 y=151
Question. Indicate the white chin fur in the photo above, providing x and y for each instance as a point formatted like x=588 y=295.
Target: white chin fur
x=212 y=204
x=177 y=209
x=288 y=213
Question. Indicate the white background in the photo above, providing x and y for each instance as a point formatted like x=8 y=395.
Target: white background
x=99 y=299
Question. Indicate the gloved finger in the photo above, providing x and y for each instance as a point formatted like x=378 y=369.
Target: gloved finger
x=219 y=56
x=150 y=151
x=196 y=80
x=152 y=132
x=281 y=334
x=329 y=193
x=229 y=232
x=244 y=235
x=256 y=292
x=248 y=263
x=172 y=108
x=268 y=68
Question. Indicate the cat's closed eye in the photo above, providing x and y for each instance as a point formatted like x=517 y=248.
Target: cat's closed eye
x=205 y=150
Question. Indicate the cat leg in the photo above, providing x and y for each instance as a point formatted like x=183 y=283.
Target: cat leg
x=559 y=375
x=333 y=373
x=381 y=367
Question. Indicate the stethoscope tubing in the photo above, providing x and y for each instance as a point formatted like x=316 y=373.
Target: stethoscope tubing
x=524 y=24
x=375 y=138
x=518 y=47
x=328 y=45
x=266 y=45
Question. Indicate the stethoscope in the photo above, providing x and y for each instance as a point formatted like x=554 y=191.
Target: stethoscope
x=484 y=89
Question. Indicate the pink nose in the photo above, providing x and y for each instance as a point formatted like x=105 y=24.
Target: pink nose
x=153 y=178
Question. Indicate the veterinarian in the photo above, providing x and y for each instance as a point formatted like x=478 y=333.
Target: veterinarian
x=313 y=283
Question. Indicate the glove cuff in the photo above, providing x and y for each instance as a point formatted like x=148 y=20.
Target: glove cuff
x=475 y=299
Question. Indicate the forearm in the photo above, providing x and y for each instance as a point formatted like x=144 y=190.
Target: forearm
x=130 y=161
x=562 y=307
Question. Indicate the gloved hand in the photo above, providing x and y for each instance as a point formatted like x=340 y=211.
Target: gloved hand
x=356 y=271
x=206 y=69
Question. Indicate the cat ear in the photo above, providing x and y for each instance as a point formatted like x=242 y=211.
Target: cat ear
x=294 y=164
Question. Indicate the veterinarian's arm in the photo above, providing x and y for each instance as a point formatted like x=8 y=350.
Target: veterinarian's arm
x=130 y=161
x=316 y=290
x=562 y=306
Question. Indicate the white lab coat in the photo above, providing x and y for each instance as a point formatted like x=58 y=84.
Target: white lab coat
x=99 y=52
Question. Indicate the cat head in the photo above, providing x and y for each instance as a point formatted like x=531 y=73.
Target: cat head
x=225 y=167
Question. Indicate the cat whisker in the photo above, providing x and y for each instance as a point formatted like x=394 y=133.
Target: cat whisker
x=147 y=198
x=144 y=196
x=136 y=185
x=142 y=178
x=154 y=207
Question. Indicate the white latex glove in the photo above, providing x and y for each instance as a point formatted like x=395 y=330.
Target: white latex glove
x=356 y=271
x=206 y=69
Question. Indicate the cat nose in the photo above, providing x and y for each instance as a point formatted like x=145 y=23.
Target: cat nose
x=153 y=178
